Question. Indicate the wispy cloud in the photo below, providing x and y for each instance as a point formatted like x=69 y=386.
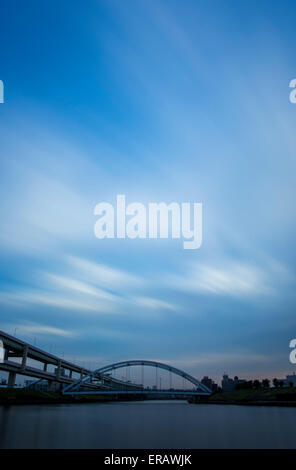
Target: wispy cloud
x=101 y=274
x=236 y=357
x=79 y=286
x=87 y=290
x=233 y=278
x=154 y=304
x=38 y=329
x=20 y=298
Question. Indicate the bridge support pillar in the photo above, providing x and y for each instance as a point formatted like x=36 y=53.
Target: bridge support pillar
x=6 y=354
x=58 y=370
x=45 y=367
x=24 y=359
x=52 y=386
x=11 y=379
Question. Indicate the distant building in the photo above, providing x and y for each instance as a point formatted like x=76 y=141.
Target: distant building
x=62 y=372
x=42 y=385
x=28 y=383
x=208 y=382
x=228 y=384
x=290 y=379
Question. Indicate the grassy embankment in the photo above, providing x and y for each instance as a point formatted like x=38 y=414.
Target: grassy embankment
x=253 y=397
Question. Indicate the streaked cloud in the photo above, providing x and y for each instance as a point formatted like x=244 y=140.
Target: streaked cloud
x=79 y=286
x=234 y=279
x=154 y=304
x=21 y=298
x=46 y=330
x=105 y=275
x=40 y=329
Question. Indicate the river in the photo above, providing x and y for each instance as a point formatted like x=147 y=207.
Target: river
x=150 y=425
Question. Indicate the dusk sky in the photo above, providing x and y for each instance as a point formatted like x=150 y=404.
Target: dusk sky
x=162 y=101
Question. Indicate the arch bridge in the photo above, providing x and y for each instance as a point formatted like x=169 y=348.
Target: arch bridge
x=101 y=382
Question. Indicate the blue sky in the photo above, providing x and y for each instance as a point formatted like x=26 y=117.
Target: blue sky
x=161 y=101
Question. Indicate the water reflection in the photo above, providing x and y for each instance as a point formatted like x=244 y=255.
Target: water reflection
x=146 y=425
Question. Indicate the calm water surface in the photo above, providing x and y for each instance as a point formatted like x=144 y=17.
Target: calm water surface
x=152 y=425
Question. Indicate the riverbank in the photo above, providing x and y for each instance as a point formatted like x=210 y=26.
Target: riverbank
x=11 y=396
x=266 y=397
x=263 y=397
